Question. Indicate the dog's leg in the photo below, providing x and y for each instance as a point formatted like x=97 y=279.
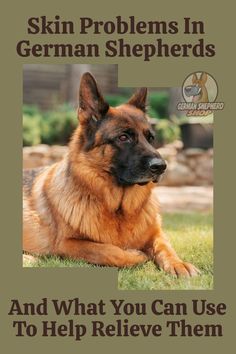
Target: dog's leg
x=166 y=258
x=99 y=253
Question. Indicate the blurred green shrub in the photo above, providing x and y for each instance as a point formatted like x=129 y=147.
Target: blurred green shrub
x=151 y=112
x=57 y=127
x=30 y=110
x=159 y=102
x=53 y=127
x=115 y=100
x=167 y=131
x=31 y=130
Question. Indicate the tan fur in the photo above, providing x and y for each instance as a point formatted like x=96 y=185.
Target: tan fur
x=201 y=82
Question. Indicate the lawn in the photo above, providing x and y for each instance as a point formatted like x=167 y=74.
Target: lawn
x=192 y=237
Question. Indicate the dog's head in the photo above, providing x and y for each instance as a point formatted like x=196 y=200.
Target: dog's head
x=195 y=90
x=119 y=140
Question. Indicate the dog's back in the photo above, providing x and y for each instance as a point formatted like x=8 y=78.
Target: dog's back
x=35 y=231
x=29 y=176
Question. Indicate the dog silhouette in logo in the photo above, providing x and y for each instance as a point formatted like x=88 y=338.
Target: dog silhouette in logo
x=198 y=90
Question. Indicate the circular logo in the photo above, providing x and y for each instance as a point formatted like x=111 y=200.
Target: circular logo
x=200 y=87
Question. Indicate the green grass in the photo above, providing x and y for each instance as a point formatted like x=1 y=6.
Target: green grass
x=192 y=237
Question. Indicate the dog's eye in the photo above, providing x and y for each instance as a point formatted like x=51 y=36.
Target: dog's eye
x=150 y=138
x=124 y=138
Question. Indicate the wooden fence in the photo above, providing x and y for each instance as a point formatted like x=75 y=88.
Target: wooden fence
x=49 y=85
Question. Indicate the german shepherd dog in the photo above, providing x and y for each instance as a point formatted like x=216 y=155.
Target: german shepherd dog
x=97 y=203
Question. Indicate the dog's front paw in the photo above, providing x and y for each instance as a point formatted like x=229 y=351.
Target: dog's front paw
x=134 y=257
x=180 y=268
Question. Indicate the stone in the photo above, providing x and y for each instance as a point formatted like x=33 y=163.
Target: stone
x=180 y=157
x=39 y=150
x=185 y=198
x=204 y=170
x=193 y=152
x=210 y=152
x=178 y=175
x=177 y=144
x=202 y=159
x=192 y=162
x=57 y=152
x=167 y=153
x=36 y=156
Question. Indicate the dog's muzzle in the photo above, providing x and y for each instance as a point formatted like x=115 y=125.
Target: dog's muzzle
x=156 y=165
x=192 y=90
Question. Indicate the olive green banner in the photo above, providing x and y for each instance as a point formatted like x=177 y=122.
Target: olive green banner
x=185 y=25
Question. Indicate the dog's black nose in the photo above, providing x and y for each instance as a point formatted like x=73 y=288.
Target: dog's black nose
x=156 y=165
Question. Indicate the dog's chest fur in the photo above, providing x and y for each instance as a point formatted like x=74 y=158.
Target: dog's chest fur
x=88 y=215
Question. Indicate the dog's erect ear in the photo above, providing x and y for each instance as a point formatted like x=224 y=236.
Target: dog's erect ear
x=203 y=78
x=194 y=79
x=139 y=99
x=90 y=97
